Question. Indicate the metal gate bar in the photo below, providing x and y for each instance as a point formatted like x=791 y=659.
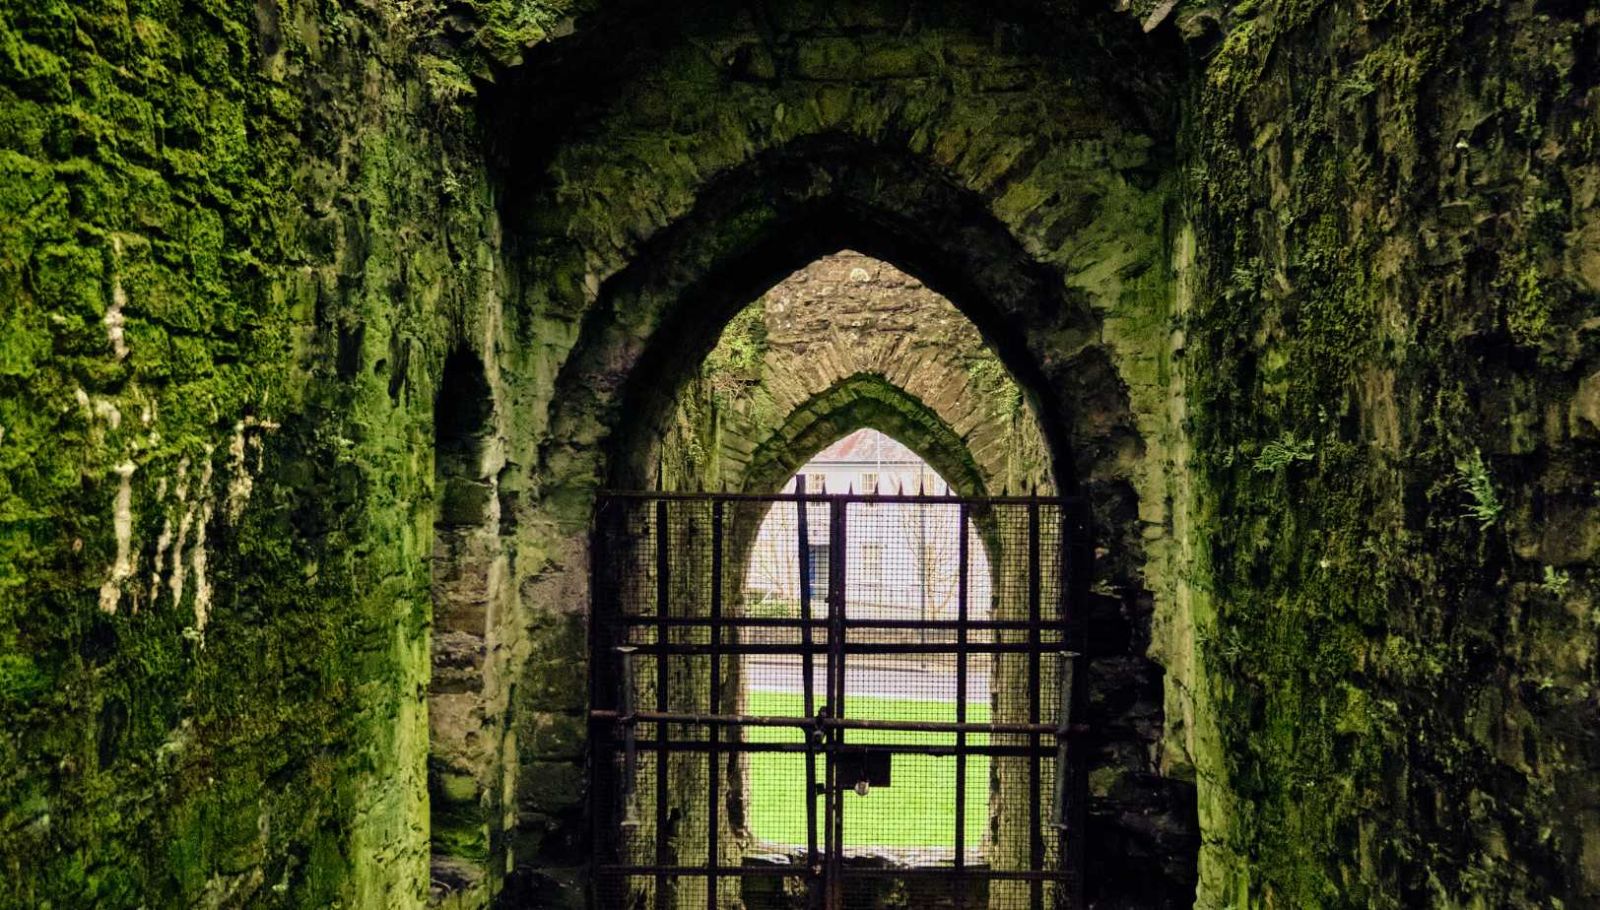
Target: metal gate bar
x=687 y=619
x=663 y=593
x=713 y=732
x=963 y=569
x=834 y=794
x=808 y=670
x=1035 y=809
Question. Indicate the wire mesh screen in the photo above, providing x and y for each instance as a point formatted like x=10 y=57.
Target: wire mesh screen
x=834 y=702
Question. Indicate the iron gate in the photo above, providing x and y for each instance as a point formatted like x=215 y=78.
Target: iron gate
x=835 y=701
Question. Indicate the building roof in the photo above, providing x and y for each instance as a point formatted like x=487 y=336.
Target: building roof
x=866 y=447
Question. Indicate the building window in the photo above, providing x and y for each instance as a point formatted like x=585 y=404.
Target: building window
x=818 y=569
x=816 y=483
x=871 y=562
x=869 y=482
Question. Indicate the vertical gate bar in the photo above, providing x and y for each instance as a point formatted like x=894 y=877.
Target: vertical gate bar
x=1035 y=619
x=1066 y=832
x=629 y=711
x=838 y=562
x=807 y=669
x=713 y=732
x=1074 y=579
x=962 y=615
x=663 y=576
x=602 y=813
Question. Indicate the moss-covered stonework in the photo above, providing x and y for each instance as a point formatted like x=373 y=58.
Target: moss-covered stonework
x=229 y=258
x=1301 y=292
x=1395 y=221
x=719 y=153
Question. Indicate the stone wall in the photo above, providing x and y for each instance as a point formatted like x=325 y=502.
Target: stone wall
x=236 y=240
x=720 y=153
x=1390 y=358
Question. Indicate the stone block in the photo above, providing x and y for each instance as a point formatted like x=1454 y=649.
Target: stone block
x=549 y=787
x=465 y=502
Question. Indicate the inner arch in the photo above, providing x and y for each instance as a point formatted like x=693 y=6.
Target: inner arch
x=845 y=343
x=859 y=402
x=660 y=315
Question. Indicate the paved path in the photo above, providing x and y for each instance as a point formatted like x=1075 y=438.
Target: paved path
x=881 y=677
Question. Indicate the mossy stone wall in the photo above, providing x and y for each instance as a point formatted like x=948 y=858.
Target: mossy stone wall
x=235 y=241
x=1390 y=358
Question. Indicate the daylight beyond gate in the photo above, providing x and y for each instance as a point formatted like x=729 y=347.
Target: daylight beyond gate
x=813 y=700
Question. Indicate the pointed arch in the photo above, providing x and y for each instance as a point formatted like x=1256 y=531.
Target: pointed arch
x=863 y=401
x=662 y=313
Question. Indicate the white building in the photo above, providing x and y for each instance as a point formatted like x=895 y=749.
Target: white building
x=902 y=560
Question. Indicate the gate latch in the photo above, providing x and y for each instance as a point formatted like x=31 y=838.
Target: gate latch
x=861 y=769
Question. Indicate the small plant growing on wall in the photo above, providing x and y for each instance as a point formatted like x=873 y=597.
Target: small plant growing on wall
x=1282 y=452
x=1473 y=476
x=1555 y=581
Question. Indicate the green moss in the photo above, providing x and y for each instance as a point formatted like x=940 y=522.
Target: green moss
x=733 y=368
x=1473 y=476
x=1321 y=318
x=994 y=381
x=148 y=162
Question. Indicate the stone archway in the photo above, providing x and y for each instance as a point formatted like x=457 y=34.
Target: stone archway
x=763 y=222
x=1032 y=201
x=848 y=329
x=641 y=338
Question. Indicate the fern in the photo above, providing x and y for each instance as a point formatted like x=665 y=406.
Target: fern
x=1282 y=452
x=1473 y=476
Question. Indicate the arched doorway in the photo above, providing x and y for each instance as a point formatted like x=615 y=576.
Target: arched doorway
x=649 y=220
x=794 y=589
x=640 y=403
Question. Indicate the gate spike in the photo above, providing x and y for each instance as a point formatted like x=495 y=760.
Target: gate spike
x=661 y=470
x=920 y=482
x=900 y=487
x=850 y=490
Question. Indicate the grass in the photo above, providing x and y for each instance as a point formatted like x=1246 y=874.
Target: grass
x=918 y=809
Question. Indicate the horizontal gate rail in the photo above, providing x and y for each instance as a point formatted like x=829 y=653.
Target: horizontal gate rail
x=931 y=749
x=863 y=648
x=838 y=723
x=822 y=498
x=790 y=871
x=902 y=625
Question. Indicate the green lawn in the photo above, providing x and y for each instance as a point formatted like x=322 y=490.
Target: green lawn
x=918 y=809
